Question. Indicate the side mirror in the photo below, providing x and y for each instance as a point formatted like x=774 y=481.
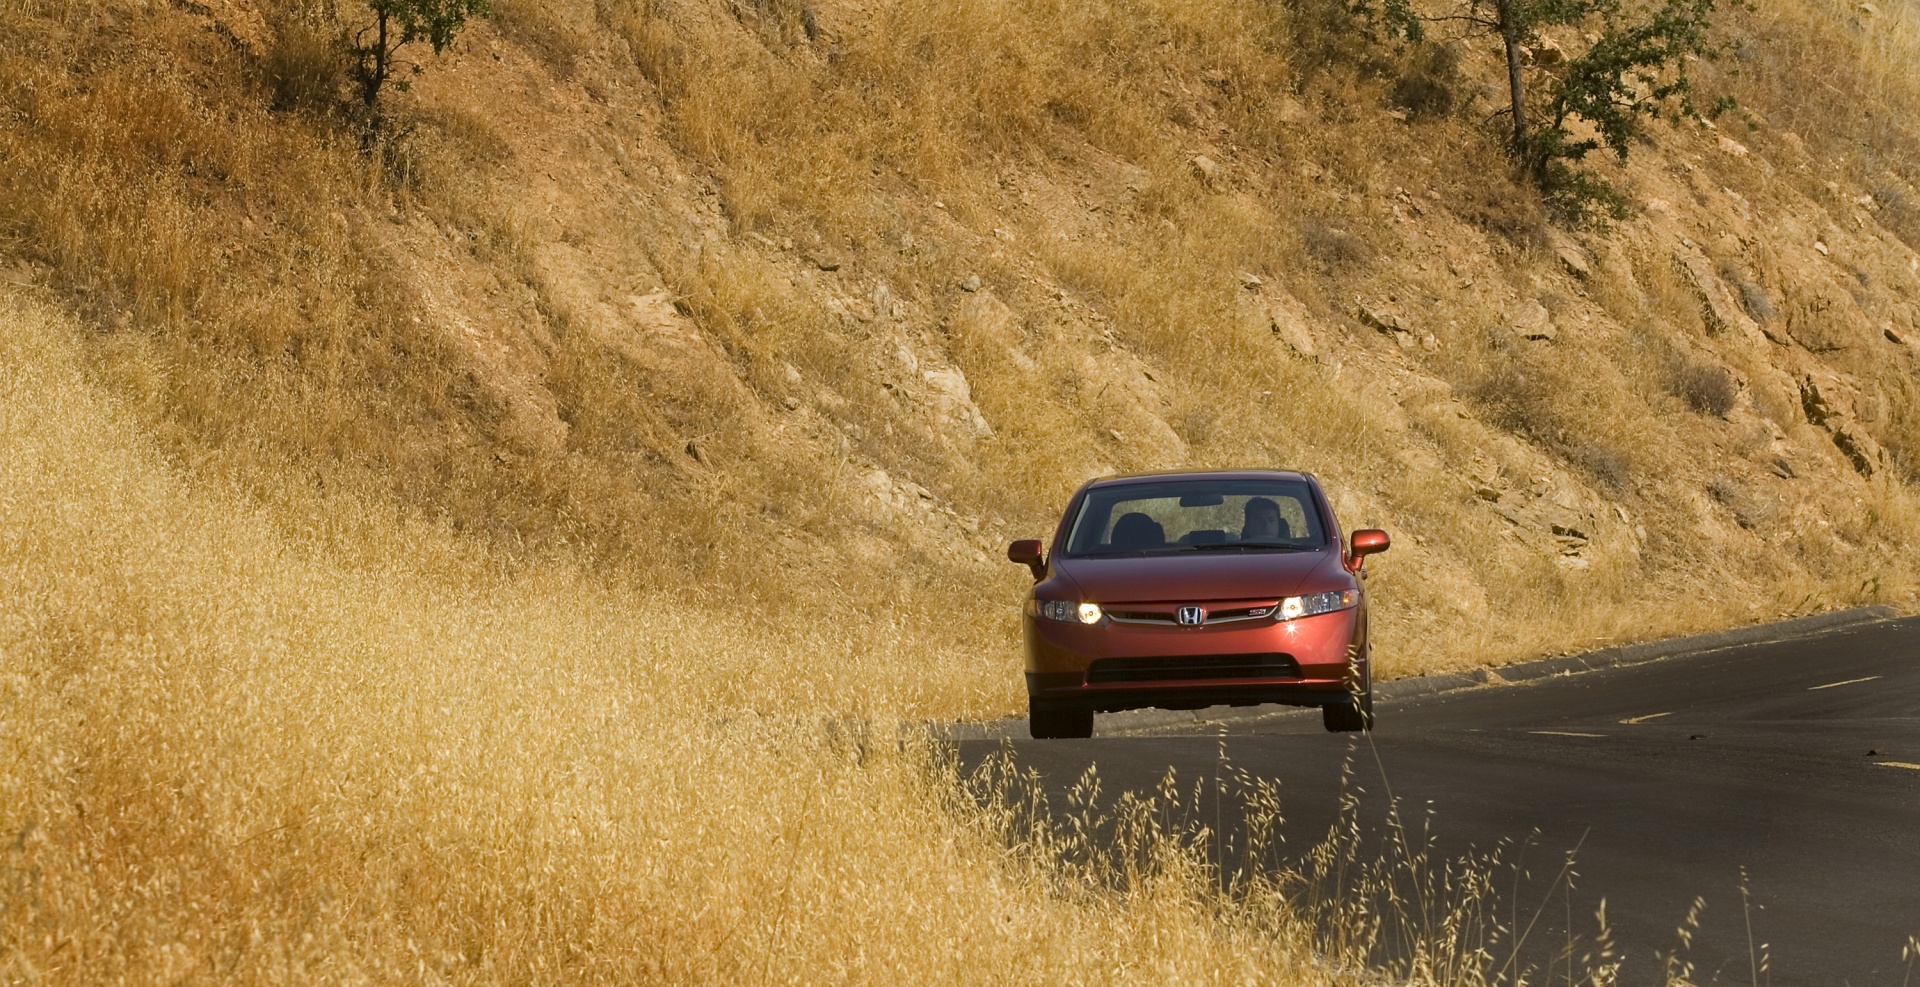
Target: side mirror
x=1028 y=553
x=1366 y=541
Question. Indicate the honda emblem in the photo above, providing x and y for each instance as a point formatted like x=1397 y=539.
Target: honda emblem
x=1191 y=616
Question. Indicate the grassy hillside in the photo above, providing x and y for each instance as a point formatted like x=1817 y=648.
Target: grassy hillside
x=238 y=753
x=435 y=554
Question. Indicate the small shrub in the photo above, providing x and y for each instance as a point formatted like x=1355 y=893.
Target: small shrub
x=1899 y=212
x=1521 y=395
x=1428 y=86
x=1707 y=389
x=1517 y=397
x=1507 y=209
x=1754 y=300
x=1606 y=464
x=1335 y=248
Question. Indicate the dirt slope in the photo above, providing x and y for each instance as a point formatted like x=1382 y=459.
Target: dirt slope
x=812 y=308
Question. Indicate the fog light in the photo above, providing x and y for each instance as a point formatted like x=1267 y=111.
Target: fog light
x=1089 y=613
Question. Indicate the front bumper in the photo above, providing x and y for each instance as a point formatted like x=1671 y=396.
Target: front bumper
x=1310 y=661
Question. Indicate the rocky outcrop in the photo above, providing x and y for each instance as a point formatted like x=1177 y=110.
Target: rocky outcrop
x=1836 y=405
x=953 y=402
x=1720 y=308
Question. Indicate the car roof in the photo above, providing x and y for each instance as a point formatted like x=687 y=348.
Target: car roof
x=1124 y=478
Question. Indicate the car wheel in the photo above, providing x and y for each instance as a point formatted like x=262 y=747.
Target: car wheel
x=1047 y=721
x=1355 y=714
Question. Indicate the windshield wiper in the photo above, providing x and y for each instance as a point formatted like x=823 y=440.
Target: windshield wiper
x=1267 y=546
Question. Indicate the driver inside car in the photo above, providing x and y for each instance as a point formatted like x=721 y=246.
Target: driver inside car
x=1263 y=521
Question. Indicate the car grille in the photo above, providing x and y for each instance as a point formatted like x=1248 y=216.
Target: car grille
x=1262 y=666
x=1166 y=618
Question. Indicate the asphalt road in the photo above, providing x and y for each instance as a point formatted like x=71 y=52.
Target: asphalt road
x=1779 y=782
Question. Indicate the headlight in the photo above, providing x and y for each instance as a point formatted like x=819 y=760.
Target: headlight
x=1313 y=603
x=1063 y=610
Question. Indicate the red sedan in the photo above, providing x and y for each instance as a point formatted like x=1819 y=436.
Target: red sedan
x=1186 y=590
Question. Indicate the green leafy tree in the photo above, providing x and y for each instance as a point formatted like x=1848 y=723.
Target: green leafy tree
x=375 y=47
x=1634 y=68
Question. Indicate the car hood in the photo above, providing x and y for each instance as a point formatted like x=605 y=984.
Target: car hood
x=1204 y=576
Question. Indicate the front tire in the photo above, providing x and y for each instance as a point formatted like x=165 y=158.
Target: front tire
x=1050 y=721
x=1356 y=714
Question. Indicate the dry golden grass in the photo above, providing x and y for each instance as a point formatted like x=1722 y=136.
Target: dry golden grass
x=240 y=754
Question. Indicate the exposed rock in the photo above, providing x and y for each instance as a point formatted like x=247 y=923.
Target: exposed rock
x=1825 y=319
x=885 y=305
x=1865 y=454
x=1292 y=112
x=1381 y=319
x=881 y=485
x=1206 y=169
x=1718 y=307
x=1532 y=321
x=1833 y=404
x=1571 y=256
x=1290 y=324
x=1814 y=403
x=970 y=283
x=953 y=400
x=1251 y=282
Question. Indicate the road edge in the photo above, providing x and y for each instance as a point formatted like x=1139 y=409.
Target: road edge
x=1634 y=654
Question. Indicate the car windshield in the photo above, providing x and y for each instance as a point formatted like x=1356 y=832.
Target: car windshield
x=1170 y=516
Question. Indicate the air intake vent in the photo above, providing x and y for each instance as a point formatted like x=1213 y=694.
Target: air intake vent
x=1262 y=666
